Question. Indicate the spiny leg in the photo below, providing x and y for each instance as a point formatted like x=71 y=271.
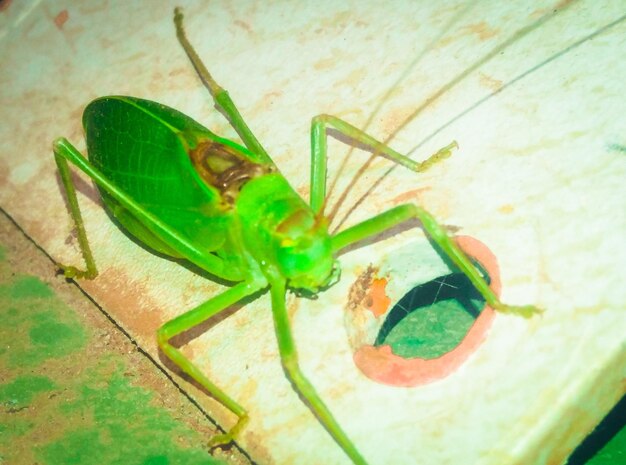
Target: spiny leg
x=64 y=152
x=219 y=94
x=301 y=384
x=66 y=177
x=404 y=212
x=319 y=154
x=193 y=318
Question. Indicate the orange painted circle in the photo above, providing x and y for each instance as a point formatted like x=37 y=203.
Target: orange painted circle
x=383 y=366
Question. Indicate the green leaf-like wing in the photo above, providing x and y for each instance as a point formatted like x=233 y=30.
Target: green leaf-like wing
x=142 y=146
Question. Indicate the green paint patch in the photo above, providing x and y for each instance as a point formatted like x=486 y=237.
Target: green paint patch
x=28 y=287
x=606 y=445
x=63 y=401
x=14 y=428
x=19 y=393
x=36 y=335
x=54 y=335
x=617 y=148
x=115 y=423
x=432 y=331
x=37 y=326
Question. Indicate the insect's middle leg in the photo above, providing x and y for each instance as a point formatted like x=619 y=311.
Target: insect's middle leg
x=319 y=138
x=401 y=213
x=191 y=319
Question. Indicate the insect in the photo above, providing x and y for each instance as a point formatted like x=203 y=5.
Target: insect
x=189 y=194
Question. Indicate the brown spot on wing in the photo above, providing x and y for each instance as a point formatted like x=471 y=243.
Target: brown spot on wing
x=225 y=168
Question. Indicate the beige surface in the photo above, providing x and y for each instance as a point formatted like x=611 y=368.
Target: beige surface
x=533 y=94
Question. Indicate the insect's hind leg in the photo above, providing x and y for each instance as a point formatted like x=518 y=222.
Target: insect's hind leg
x=65 y=151
x=187 y=321
x=401 y=213
x=61 y=155
x=319 y=137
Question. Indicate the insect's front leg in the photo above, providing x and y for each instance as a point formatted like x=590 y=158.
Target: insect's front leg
x=189 y=320
x=319 y=155
x=401 y=213
x=301 y=384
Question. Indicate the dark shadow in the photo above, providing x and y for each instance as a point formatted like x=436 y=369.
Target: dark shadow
x=451 y=286
x=179 y=261
x=196 y=331
x=612 y=424
x=387 y=234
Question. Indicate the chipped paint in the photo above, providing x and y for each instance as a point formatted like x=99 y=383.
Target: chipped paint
x=382 y=365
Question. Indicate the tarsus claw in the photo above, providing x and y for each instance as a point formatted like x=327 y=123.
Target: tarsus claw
x=527 y=311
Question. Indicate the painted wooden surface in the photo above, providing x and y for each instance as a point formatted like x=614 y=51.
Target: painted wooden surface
x=532 y=93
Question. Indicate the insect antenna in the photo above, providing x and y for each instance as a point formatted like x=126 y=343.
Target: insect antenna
x=393 y=88
x=497 y=50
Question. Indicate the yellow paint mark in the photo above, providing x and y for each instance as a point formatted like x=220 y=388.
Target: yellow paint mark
x=243 y=25
x=409 y=196
x=506 y=208
x=490 y=82
x=482 y=30
x=325 y=63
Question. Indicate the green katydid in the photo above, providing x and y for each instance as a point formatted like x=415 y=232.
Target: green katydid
x=187 y=193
